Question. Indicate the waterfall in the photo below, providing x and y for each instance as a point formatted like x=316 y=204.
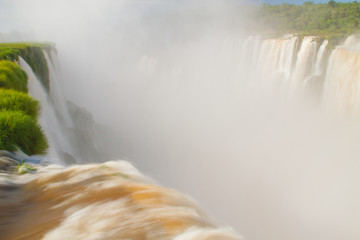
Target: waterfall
x=288 y=62
x=50 y=120
x=57 y=97
x=305 y=60
x=320 y=59
x=314 y=82
x=308 y=67
x=72 y=133
x=277 y=57
x=342 y=84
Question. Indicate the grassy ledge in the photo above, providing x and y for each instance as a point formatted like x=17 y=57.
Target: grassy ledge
x=32 y=53
x=19 y=127
x=12 y=76
x=19 y=130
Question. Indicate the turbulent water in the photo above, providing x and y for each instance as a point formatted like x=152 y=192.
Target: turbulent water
x=105 y=201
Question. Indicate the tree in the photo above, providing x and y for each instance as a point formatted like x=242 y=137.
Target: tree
x=332 y=3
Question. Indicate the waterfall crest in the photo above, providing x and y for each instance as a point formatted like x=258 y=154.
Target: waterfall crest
x=333 y=76
x=74 y=136
x=291 y=61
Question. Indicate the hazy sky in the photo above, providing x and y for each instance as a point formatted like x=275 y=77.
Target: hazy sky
x=7 y=8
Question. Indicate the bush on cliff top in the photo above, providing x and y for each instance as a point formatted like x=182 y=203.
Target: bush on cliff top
x=20 y=130
x=32 y=53
x=9 y=54
x=18 y=111
x=12 y=100
x=12 y=76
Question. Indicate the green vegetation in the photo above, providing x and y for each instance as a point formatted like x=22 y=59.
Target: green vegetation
x=333 y=21
x=32 y=53
x=20 y=130
x=18 y=111
x=12 y=76
x=11 y=100
x=24 y=168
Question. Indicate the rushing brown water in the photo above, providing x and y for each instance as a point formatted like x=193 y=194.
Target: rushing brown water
x=100 y=201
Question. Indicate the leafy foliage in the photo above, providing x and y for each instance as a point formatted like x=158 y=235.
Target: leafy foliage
x=20 y=130
x=10 y=54
x=12 y=76
x=32 y=53
x=333 y=21
x=11 y=100
x=24 y=168
x=18 y=111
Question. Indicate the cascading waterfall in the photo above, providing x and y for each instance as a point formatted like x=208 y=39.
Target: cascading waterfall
x=73 y=135
x=50 y=121
x=294 y=63
x=110 y=200
x=342 y=84
x=291 y=61
x=314 y=82
x=320 y=59
x=56 y=96
x=285 y=60
x=305 y=60
x=277 y=57
x=308 y=67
